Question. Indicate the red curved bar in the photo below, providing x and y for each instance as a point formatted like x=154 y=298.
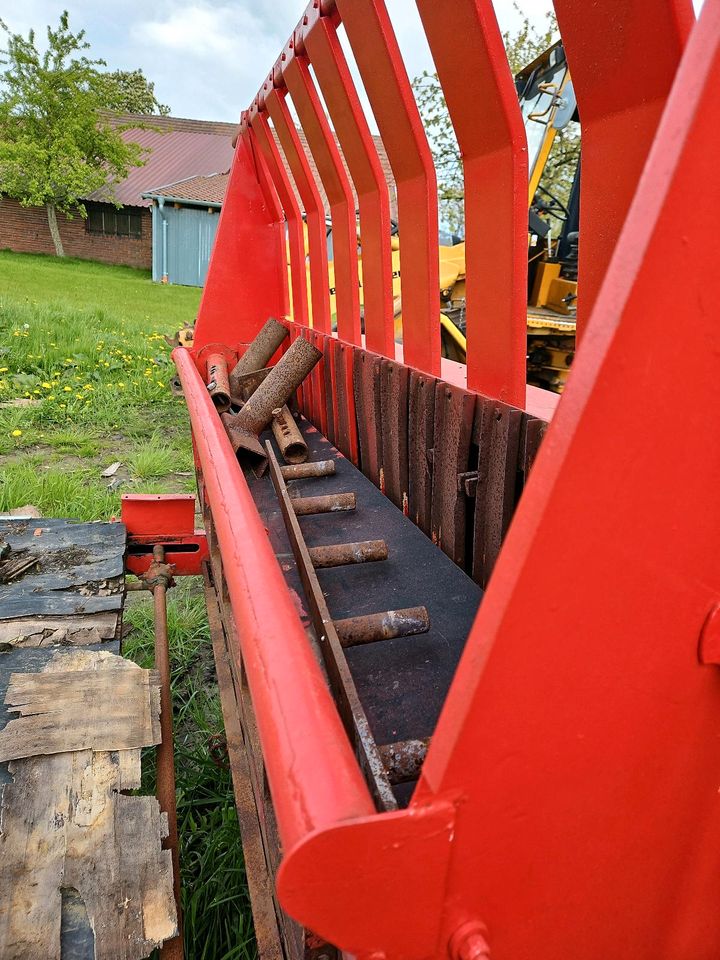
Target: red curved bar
x=323 y=148
x=623 y=56
x=346 y=112
x=296 y=234
x=491 y=137
x=386 y=83
x=310 y=196
x=313 y=774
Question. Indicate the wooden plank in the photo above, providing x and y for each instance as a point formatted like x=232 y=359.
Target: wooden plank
x=81 y=630
x=67 y=828
x=111 y=704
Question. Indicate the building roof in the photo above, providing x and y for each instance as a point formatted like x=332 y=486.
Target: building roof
x=210 y=190
x=186 y=155
x=177 y=149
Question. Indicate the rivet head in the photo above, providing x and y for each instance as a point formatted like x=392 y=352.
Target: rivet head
x=709 y=646
x=468 y=942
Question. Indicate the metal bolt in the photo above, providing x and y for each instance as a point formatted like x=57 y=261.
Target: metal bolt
x=709 y=646
x=468 y=942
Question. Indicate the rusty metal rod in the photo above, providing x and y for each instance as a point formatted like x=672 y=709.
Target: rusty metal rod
x=403 y=760
x=327 y=504
x=259 y=352
x=382 y=626
x=171 y=949
x=304 y=471
x=339 y=554
x=218 y=383
x=289 y=439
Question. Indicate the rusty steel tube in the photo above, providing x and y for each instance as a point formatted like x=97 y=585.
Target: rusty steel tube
x=403 y=760
x=339 y=554
x=165 y=760
x=289 y=439
x=304 y=471
x=382 y=626
x=277 y=388
x=331 y=503
x=218 y=383
x=259 y=352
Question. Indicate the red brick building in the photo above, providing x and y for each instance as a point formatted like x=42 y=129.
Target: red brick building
x=177 y=149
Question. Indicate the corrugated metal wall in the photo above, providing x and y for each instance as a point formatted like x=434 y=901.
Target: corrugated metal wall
x=190 y=236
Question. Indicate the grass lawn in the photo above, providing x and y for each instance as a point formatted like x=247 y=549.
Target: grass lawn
x=84 y=373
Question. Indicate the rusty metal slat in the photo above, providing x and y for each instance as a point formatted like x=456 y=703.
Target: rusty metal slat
x=320 y=418
x=421 y=432
x=346 y=427
x=330 y=397
x=531 y=437
x=497 y=433
x=394 y=379
x=451 y=451
x=368 y=414
x=341 y=681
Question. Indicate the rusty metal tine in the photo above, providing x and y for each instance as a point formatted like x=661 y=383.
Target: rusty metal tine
x=382 y=626
x=341 y=681
x=351 y=127
x=289 y=439
x=493 y=146
x=310 y=197
x=293 y=215
x=322 y=145
x=218 y=382
x=404 y=759
x=331 y=503
x=387 y=86
x=304 y=471
x=339 y=554
x=263 y=347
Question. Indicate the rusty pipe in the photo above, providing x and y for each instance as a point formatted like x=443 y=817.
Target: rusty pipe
x=218 y=383
x=262 y=348
x=165 y=760
x=275 y=390
x=339 y=554
x=382 y=626
x=304 y=471
x=403 y=760
x=289 y=439
x=333 y=502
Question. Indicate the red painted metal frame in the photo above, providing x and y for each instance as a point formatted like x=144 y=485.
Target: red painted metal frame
x=274 y=102
x=333 y=74
x=257 y=122
x=167 y=519
x=623 y=56
x=299 y=82
x=386 y=83
x=492 y=142
x=568 y=802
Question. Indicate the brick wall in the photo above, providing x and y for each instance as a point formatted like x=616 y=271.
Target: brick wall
x=25 y=230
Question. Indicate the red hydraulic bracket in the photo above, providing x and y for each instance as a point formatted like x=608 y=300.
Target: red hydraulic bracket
x=168 y=519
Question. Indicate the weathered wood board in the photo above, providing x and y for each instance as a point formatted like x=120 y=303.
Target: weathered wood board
x=80 y=862
x=61 y=583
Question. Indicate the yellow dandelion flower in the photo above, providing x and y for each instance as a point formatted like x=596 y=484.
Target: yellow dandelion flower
x=62 y=406
x=121 y=384
x=160 y=383
x=17 y=433
x=46 y=385
x=67 y=389
x=51 y=397
x=3 y=369
x=80 y=396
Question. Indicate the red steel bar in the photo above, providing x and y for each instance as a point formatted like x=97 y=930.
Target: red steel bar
x=296 y=235
x=310 y=196
x=314 y=777
x=490 y=133
x=585 y=744
x=386 y=83
x=320 y=140
x=352 y=130
x=623 y=56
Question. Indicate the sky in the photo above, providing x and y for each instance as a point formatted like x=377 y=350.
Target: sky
x=208 y=57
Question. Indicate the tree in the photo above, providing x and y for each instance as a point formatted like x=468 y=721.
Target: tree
x=522 y=47
x=130 y=90
x=55 y=145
